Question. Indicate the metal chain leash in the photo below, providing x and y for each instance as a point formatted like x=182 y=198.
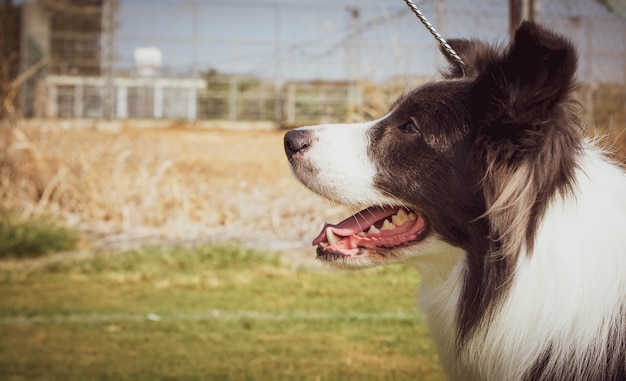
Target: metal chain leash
x=442 y=42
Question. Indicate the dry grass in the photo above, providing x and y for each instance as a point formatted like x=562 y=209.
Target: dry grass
x=138 y=186
x=616 y=141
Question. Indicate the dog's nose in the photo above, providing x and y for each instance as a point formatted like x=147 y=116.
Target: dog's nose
x=296 y=141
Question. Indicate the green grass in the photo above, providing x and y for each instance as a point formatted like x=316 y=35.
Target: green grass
x=209 y=313
x=33 y=237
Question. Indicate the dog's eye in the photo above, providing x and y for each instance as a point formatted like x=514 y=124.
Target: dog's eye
x=410 y=128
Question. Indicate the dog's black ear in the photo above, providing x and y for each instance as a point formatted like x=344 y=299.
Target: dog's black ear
x=474 y=54
x=528 y=81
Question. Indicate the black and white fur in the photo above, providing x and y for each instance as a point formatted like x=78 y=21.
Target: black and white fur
x=523 y=253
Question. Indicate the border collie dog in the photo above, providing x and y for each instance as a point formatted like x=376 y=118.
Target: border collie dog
x=484 y=181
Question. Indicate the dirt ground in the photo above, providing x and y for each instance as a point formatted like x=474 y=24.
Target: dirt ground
x=176 y=185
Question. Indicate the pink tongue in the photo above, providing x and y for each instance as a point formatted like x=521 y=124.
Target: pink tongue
x=358 y=222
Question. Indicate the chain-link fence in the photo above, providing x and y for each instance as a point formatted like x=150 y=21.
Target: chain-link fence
x=283 y=61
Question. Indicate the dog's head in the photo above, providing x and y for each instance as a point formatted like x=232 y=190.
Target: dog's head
x=454 y=163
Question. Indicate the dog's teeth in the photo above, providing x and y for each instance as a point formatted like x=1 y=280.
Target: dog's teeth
x=412 y=216
x=361 y=234
x=331 y=237
x=400 y=218
x=373 y=230
x=323 y=245
x=387 y=225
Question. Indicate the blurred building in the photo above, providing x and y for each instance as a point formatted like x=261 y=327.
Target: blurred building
x=61 y=38
x=72 y=44
x=9 y=51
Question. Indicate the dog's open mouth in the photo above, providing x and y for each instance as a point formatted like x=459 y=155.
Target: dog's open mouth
x=377 y=227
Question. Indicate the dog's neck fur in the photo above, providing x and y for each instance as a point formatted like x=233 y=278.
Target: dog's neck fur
x=575 y=287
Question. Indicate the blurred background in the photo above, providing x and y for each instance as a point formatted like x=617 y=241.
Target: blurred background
x=281 y=61
x=150 y=227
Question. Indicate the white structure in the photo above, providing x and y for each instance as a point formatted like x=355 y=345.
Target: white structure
x=157 y=98
x=148 y=61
